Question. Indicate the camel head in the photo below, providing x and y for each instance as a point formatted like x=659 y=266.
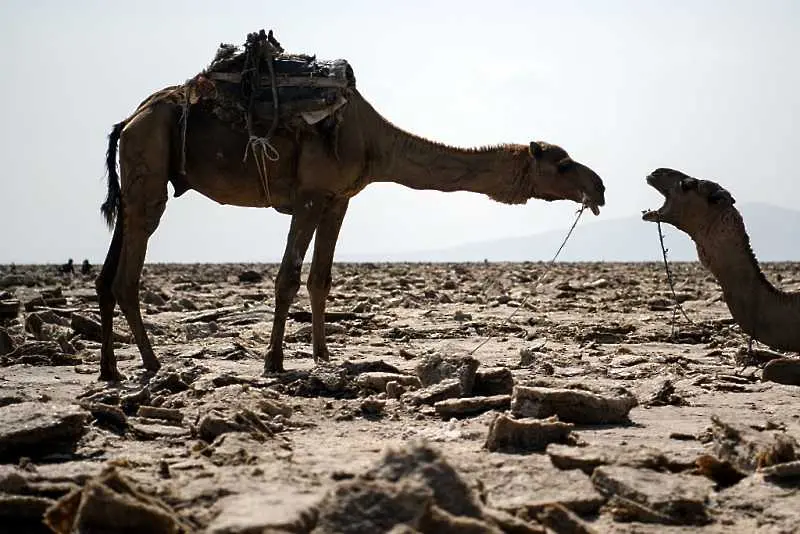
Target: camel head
x=558 y=177
x=690 y=204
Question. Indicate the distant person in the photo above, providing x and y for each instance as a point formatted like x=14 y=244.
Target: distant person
x=86 y=267
x=67 y=268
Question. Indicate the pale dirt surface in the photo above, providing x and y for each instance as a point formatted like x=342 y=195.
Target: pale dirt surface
x=594 y=325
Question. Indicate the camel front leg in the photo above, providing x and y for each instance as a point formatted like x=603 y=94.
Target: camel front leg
x=307 y=212
x=319 y=279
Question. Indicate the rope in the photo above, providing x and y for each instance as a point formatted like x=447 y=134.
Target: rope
x=263 y=150
x=538 y=281
x=671 y=283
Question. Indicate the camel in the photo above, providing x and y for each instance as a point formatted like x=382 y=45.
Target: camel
x=705 y=211
x=313 y=180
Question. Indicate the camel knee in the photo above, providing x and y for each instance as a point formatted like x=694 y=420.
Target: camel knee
x=287 y=284
x=125 y=293
x=319 y=285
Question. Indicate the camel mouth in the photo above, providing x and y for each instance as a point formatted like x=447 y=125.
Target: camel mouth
x=658 y=185
x=591 y=204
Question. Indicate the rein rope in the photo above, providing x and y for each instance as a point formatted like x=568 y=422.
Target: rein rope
x=538 y=281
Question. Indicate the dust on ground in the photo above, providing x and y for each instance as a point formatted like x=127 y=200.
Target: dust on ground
x=584 y=412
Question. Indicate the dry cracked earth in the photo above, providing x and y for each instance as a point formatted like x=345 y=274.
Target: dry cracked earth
x=585 y=411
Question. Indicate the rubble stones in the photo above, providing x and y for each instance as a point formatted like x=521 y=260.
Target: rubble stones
x=572 y=405
x=36 y=429
x=506 y=433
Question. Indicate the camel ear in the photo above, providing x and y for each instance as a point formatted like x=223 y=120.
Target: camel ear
x=688 y=183
x=536 y=149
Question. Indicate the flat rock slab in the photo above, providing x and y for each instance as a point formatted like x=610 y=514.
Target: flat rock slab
x=589 y=457
x=447 y=389
x=469 y=406
x=527 y=491
x=571 y=405
x=436 y=368
x=506 y=433
x=495 y=381
x=35 y=428
x=649 y=496
x=747 y=449
x=377 y=381
x=255 y=512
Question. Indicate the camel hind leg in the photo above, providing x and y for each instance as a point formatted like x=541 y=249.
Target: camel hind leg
x=144 y=161
x=107 y=302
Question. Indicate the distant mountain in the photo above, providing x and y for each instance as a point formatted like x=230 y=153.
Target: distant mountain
x=773 y=234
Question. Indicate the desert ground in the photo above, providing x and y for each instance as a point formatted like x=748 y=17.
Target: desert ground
x=588 y=407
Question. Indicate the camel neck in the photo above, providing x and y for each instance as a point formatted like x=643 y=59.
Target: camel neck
x=400 y=157
x=763 y=311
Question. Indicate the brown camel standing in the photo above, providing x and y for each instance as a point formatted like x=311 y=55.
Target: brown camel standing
x=706 y=212
x=313 y=180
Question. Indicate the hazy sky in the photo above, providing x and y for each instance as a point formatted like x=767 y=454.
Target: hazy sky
x=711 y=88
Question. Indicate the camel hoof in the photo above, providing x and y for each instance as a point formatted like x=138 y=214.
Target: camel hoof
x=110 y=376
x=152 y=365
x=322 y=356
x=273 y=363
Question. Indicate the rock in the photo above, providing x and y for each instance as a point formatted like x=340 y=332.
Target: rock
x=49 y=301
x=657 y=497
x=377 y=381
x=6 y=342
x=249 y=513
x=437 y=520
x=110 y=503
x=200 y=330
x=782 y=371
x=420 y=462
x=571 y=405
x=372 y=406
x=471 y=406
x=506 y=433
x=496 y=381
x=510 y=524
x=10 y=280
x=529 y=490
x=107 y=414
x=786 y=470
x=658 y=392
x=35 y=429
x=560 y=519
x=365 y=506
x=274 y=407
x=250 y=277
x=589 y=457
x=153 y=298
x=747 y=449
x=434 y=368
x=370 y=366
x=166 y=414
x=9 y=309
x=22 y=513
x=774 y=506
x=394 y=390
x=90 y=329
x=446 y=389
x=130 y=403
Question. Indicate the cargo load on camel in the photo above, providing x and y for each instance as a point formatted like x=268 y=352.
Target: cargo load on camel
x=260 y=89
x=261 y=83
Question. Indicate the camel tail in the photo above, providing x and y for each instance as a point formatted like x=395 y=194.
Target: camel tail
x=110 y=207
